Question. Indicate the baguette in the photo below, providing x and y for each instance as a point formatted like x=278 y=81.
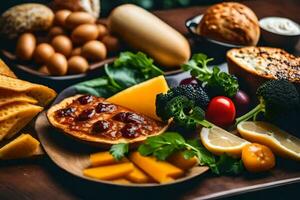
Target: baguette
x=255 y=65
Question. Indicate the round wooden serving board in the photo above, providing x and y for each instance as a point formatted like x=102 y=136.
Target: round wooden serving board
x=73 y=155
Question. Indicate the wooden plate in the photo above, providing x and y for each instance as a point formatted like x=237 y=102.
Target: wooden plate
x=73 y=156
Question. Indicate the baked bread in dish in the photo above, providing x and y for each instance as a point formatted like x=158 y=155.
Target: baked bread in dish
x=230 y=22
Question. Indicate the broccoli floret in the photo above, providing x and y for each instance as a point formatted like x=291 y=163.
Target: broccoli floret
x=277 y=98
x=192 y=92
x=185 y=113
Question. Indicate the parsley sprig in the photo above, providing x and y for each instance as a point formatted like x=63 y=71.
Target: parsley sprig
x=164 y=145
x=214 y=79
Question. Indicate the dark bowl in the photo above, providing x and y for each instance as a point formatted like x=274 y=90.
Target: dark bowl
x=212 y=48
x=272 y=39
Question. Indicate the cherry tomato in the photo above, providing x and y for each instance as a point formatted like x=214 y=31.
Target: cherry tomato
x=189 y=81
x=221 y=111
x=257 y=158
x=242 y=102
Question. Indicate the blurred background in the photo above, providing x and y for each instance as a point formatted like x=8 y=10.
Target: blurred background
x=107 y=5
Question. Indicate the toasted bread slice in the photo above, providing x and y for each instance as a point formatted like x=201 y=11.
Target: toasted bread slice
x=258 y=64
x=4 y=70
x=41 y=93
x=83 y=131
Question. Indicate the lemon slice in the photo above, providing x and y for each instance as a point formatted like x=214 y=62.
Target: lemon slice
x=281 y=142
x=219 y=141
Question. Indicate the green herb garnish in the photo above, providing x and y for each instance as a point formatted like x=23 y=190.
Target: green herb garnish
x=127 y=70
x=221 y=83
x=118 y=151
x=164 y=145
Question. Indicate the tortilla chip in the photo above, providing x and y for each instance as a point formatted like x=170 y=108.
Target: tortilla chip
x=4 y=70
x=10 y=97
x=16 y=116
x=17 y=109
x=43 y=94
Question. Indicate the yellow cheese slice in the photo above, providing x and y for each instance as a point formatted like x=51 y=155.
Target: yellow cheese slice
x=7 y=97
x=160 y=171
x=23 y=146
x=141 y=97
x=102 y=158
x=138 y=176
x=109 y=172
x=41 y=93
x=178 y=160
x=105 y=158
x=4 y=70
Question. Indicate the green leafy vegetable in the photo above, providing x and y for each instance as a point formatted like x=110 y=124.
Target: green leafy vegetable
x=220 y=83
x=164 y=145
x=279 y=101
x=127 y=70
x=182 y=110
x=118 y=151
x=227 y=165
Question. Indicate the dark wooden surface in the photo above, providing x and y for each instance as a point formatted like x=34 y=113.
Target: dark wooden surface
x=39 y=178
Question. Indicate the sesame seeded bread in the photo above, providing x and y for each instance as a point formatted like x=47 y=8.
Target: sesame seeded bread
x=230 y=22
x=257 y=64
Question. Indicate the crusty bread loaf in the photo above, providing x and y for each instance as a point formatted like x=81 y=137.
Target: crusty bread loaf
x=257 y=64
x=230 y=22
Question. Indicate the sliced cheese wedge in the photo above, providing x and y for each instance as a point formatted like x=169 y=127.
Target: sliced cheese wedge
x=178 y=160
x=109 y=172
x=23 y=146
x=160 y=171
x=141 y=97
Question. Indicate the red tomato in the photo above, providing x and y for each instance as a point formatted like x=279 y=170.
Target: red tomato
x=221 y=111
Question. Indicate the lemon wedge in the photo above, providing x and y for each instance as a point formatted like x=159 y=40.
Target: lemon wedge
x=219 y=141
x=281 y=142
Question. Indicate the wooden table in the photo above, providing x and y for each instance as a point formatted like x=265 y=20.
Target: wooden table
x=39 y=178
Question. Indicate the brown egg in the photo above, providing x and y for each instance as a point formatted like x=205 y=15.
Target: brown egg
x=112 y=43
x=62 y=44
x=55 y=31
x=57 y=64
x=61 y=16
x=44 y=70
x=77 y=65
x=102 y=31
x=76 y=51
x=84 y=33
x=43 y=52
x=77 y=18
x=94 y=51
x=25 y=46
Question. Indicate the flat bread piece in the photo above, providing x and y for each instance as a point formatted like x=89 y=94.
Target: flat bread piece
x=117 y=124
x=41 y=93
x=7 y=97
x=4 y=70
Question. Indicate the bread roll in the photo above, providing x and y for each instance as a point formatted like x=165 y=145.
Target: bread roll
x=230 y=22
